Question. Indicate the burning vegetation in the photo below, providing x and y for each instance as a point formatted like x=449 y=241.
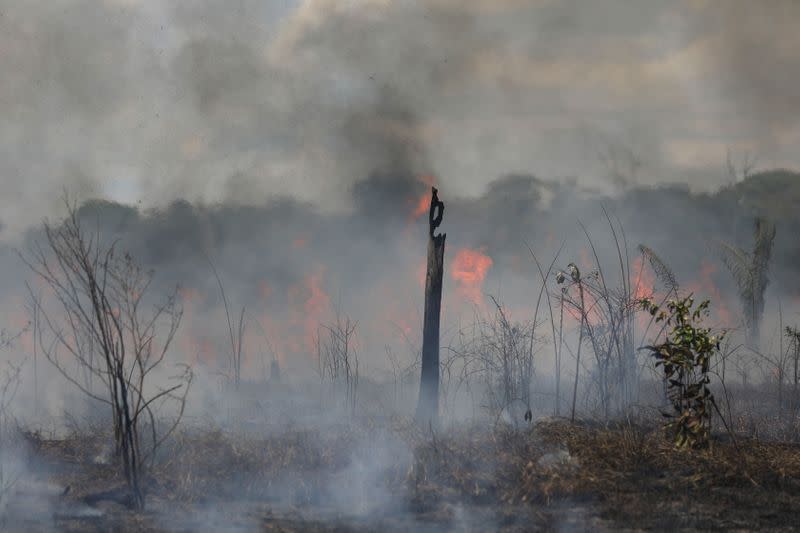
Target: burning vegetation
x=599 y=385
x=399 y=266
x=258 y=406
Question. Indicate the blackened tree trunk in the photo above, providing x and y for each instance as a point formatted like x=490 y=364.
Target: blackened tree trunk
x=428 y=406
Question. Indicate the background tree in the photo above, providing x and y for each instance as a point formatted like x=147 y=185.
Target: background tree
x=749 y=270
x=793 y=335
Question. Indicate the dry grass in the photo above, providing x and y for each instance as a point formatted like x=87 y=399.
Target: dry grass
x=625 y=474
x=294 y=465
x=631 y=472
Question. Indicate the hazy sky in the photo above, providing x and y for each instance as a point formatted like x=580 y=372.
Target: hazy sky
x=149 y=100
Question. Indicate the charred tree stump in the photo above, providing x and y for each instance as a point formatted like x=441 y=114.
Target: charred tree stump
x=428 y=405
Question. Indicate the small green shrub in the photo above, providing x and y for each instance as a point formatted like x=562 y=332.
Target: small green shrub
x=685 y=355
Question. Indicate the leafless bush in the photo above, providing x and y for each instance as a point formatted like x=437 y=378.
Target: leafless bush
x=337 y=358
x=101 y=336
x=499 y=354
x=403 y=376
x=775 y=362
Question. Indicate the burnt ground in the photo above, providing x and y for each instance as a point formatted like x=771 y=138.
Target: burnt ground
x=393 y=477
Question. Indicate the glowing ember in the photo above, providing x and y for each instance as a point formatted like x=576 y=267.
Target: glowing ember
x=469 y=272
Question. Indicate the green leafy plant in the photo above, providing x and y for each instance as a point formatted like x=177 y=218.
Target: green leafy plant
x=685 y=356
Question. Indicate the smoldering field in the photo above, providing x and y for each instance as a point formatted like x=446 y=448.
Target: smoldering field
x=283 y=437
x=273 y=162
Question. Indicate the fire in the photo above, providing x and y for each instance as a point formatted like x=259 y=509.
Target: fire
x=308 y=303
x=706 y=287
x=643 y=279
x=423 y=204
x=469 y=272
x=318 y=300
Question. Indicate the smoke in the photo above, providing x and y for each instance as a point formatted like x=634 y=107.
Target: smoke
x=291 y=145
x=751 y=92
x=149 y=102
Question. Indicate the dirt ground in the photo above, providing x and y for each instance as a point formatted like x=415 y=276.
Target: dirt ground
x=359 y=477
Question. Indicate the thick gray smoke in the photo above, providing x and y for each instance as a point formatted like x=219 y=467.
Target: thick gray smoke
x=152 y=101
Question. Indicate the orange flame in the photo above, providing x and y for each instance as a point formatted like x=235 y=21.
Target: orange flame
x=643 y=279
x=308 y=302
x=318 y=300
x=423 y=204
x=706 y=287
x=469 y=272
